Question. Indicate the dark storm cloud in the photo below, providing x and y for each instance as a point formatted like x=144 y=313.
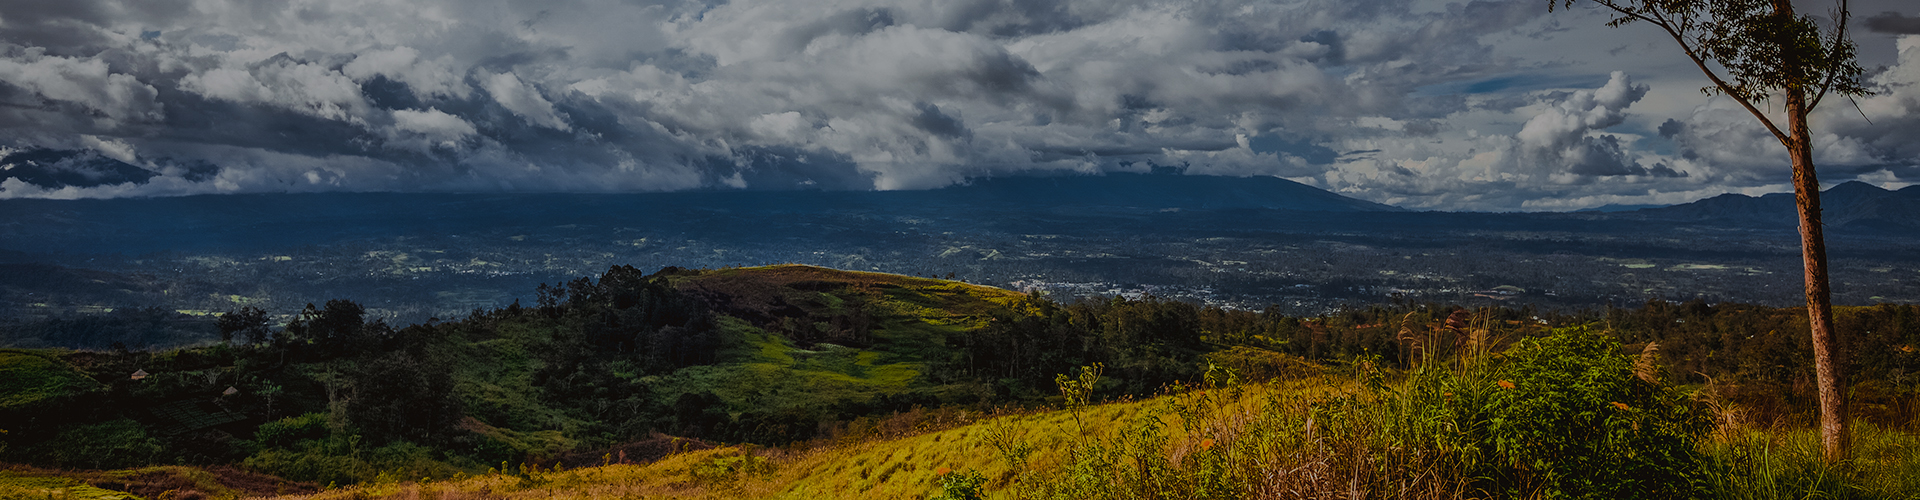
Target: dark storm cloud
x=612 y=95
x=70 y=27
x=1894 y=22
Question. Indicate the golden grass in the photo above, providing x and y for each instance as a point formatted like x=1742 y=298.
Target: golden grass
x=900 y=464
x=927 y=298
x=12 y=486
x=151 y=483
x=899 y=457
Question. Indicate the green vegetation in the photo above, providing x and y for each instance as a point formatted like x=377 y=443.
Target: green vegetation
x=1354 y=431
x=31 y=378
x=870 y=385
x=150 y=483
x=121 y=328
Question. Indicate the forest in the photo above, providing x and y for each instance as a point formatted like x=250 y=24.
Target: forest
x=773 y=356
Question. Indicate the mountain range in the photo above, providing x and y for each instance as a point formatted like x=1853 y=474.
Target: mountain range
x=53 y=169
x=1250 y=242
x=1853 y=206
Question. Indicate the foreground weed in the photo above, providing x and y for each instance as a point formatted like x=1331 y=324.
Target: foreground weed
x=1564 y=415
x=961 y=485
x=1772 y=464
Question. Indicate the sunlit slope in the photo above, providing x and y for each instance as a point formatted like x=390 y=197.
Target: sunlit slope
x=872 y=466
x=144 y=483
x=29 y=378
x=796 y=345
x=803 y=341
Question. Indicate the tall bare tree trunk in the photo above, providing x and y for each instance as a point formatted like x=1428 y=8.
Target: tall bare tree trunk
x=1829 y=378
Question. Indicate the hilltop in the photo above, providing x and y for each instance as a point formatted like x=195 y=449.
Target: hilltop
x=767 y=354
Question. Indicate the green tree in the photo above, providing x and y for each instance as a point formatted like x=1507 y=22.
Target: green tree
x=1770 y=51
x=249 y=322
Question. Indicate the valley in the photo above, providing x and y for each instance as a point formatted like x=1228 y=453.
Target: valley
x=419 y=256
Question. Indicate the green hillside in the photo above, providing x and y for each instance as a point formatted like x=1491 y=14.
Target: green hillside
x=696 y=367
x=1351 y=433
x=800 y=342
x=767 y=355
x=29 y=379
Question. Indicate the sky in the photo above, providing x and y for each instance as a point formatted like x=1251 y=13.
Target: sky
x=1431 y=105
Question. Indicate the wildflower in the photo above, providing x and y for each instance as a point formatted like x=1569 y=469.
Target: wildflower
x=1506 y=384
x=1206 y=444
x=942 y=471
x=1621 y=406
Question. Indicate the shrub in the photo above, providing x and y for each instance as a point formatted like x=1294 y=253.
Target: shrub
x=1572 y=420
x=726 y=470
x=962 y=485
x=105 y=445
x=285 y=432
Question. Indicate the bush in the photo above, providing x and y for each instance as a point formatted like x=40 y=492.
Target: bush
x=338 y=460
x=285 y=432
x=726 y=470
x=106 y=445
x=1573 y=419
x=962 y=486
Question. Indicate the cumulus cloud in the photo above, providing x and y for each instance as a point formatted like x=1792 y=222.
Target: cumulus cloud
x=1560 y=136
x=523 y=100
x=1426 y=104
x=282 y=82
x=112 y=99
x=426 y=79
x=424 y=130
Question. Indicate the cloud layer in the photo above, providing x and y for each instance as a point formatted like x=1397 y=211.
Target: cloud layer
x=1483 y=105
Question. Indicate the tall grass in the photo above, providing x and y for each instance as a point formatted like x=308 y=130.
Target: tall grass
x=1560 y=416
x=1770 y=464
x=1565 y=415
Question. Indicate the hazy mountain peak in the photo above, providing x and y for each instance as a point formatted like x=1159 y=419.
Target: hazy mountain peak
x=1855 y=188
x=55 y=168
x=1157 y=191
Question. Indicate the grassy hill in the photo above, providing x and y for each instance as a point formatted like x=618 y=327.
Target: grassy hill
x=767 y=355
x=1328 y=436
x=788 y=381
x=800 y=341
x=902 y=456
x=30 y=379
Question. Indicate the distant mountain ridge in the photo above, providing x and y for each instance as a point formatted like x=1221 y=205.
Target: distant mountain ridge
x=1153 y=191
x=1853 y=206
x=54 y=169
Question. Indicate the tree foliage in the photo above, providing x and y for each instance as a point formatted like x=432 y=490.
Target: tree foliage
x=1761 y=50
x=1770 y=50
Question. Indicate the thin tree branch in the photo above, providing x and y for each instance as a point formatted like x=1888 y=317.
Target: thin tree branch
x=1856 y=107
x=1839 y=37
x=1702 y=64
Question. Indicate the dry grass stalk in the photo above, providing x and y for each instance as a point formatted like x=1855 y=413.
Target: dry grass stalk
x=1647 y=366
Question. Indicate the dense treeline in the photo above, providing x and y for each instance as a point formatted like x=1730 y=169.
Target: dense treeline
x=332 y=396
x=134 y=328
